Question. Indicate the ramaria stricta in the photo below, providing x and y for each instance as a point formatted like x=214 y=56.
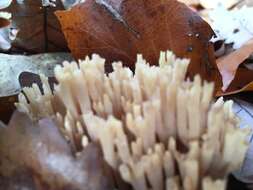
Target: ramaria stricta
x=156 y=130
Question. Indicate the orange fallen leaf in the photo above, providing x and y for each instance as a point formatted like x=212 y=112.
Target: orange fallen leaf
x=228 y=65
x=248 y=87
x=242 y=82
x=119 y=30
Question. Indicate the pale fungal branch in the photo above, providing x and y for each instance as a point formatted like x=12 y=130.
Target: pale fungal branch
x=158 y=130
x=40 y=103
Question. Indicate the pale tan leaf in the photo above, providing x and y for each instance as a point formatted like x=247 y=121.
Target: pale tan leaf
x=229 y=64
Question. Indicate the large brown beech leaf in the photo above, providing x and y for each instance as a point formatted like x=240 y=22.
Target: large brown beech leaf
x=119 y=29
x=39 y=29
x=34 y=156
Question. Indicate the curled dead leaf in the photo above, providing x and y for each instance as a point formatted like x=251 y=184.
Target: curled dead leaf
x=118 y=30
x=228 y=66
x=242 y=82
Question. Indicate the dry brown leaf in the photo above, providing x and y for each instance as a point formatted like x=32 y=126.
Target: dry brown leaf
x=228 y=65
x=248 y=87
x=35 y=156
x=4 y=22
x=242 y=82
x=7 y=107
x=118 y=30
x=29 y=17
